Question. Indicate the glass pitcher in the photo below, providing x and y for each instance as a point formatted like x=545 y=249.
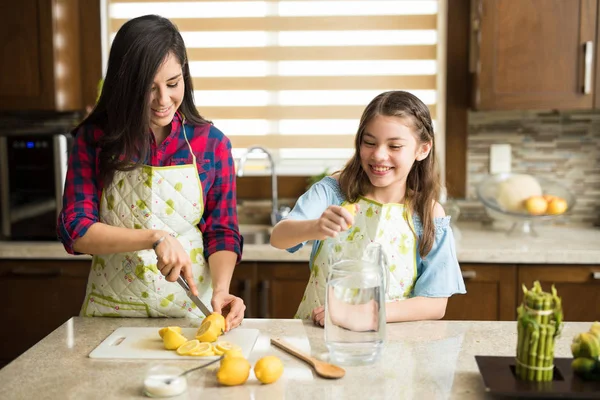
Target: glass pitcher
x=355 y=317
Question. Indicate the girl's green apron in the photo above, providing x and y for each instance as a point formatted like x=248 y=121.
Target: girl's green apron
x=130 y=284
x=385 y=224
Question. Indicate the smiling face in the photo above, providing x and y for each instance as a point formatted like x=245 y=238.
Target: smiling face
x=388 y=149
x=166 y=95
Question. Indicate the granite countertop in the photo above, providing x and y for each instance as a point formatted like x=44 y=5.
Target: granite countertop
x=422 y=360
x=475 y=243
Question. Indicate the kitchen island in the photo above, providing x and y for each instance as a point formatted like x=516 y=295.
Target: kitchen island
x=422 y=360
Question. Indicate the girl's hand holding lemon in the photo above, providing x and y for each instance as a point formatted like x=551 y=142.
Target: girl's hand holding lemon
x=335 y=219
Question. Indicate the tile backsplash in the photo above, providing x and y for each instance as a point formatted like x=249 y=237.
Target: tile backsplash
x=563 y=146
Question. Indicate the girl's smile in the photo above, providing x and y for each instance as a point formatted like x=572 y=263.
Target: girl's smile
x=380 y=170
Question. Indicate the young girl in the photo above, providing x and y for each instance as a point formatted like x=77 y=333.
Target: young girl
x=392 y=180
x=150 y=189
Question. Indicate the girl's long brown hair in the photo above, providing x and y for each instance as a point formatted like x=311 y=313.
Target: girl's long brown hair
x=422 y=183
x=140 y=47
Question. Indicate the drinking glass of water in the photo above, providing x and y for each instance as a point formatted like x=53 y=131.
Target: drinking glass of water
x=355 y=303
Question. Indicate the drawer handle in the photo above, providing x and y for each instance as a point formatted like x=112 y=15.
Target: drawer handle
x=596 y=275
x=469 y=274
x=588 y=57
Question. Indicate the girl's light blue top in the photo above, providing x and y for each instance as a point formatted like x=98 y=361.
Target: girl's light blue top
x=438 y=275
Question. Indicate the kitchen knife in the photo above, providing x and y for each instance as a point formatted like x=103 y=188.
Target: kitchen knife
x=195 y=299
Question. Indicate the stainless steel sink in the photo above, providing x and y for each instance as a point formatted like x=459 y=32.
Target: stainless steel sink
x=256 y=234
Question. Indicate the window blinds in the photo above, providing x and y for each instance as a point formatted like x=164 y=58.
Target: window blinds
x=295 y=76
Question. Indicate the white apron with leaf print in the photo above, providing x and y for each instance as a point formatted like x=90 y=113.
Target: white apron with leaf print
x=130 y=284
x=385 y=224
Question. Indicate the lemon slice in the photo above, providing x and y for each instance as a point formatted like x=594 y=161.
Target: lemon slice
x=203 y=350
x=188 y=347
x=226 y=346
x=216 y=350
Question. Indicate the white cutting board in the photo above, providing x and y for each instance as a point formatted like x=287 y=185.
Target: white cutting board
x=145 y=343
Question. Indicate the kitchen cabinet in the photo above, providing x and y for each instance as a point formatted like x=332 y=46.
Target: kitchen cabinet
x=534 y=54
x=578 y=286
x=38 y=296
x=280 y=287
x=243 y=284
x=270 y=289
x=491 y=294
x=40 y=50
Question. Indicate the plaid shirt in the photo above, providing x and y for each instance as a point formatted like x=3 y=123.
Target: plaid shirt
x=219 y=225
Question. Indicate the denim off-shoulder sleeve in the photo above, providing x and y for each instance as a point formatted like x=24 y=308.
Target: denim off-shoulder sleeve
x=311 y=204
x=438 y=275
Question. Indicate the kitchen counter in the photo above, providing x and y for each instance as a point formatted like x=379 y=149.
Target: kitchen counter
x=475 y=244
x=422 y=360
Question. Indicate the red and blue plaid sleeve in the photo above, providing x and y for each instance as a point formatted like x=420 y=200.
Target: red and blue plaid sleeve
x=219 y=224
x=80 y=198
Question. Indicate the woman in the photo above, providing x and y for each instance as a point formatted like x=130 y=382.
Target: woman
x=150 y=189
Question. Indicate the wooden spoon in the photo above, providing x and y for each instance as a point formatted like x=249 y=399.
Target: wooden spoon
x=326 y=370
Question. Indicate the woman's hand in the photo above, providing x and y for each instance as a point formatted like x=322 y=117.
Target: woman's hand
x=334 y=219
x=173 y=261
x=230 y=306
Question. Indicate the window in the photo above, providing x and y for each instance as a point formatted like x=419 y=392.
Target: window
x=295 y=76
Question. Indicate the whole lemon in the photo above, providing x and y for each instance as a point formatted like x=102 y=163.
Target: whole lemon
x=268 y=369
x=233 y=371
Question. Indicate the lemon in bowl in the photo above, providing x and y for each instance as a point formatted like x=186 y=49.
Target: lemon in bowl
x=523 y=200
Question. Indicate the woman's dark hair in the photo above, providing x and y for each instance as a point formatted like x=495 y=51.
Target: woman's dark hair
x=423 y=182
x=138 y=50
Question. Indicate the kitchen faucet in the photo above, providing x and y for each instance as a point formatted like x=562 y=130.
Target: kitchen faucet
x=276 y=213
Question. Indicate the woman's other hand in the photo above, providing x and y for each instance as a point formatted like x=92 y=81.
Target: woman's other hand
x=230 y=306
x=318 y=316
x=334 y=220
x=173 y=261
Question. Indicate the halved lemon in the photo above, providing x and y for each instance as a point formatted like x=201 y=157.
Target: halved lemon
x=173 y=339
x=162 y=331
x=203 y=350
x=208 y=332
x=188 y=347
x=216 y=319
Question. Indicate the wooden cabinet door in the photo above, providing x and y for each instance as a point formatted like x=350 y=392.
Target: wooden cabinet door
x=490 y=294
x=243 y=285
x=578 y=286
x=40 y=52
x=280 y=288
x=38 y=296
x=531 y=54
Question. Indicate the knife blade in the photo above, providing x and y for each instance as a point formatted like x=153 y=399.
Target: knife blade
x=195 y=299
